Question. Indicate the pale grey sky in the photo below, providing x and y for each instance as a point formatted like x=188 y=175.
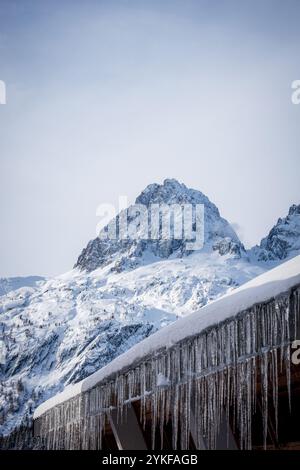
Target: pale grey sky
x=105 y=97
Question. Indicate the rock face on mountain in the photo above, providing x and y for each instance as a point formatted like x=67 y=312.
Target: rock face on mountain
x=58 y=331
x=283 y=240
x=128 y=253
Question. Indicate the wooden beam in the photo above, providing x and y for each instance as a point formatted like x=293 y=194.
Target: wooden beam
x=127 y=433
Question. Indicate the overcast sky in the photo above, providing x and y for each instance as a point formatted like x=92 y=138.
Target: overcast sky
x=105 y=97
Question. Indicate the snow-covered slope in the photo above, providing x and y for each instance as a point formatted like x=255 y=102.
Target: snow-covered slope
x=62 y=330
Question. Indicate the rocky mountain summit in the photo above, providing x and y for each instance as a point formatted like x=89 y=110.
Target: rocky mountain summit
x=283 y=240
x=218 y=234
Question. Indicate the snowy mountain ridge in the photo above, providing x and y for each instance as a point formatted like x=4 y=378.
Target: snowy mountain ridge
x=58 y=331
x=218 y=234
x=283 y=240
x=8 y=284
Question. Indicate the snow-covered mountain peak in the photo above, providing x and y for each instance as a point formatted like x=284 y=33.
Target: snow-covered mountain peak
x=129 y=253
x=294 y=210
x=283 y=240
x=173 y=192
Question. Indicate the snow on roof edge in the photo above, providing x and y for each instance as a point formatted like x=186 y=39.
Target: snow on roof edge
x=260 y=289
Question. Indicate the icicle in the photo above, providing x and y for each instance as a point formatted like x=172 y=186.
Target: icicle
x=264 y=395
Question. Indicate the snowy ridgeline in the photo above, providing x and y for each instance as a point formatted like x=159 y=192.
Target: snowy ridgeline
x=10 y=284
x=214 y=356
x=262 y=288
